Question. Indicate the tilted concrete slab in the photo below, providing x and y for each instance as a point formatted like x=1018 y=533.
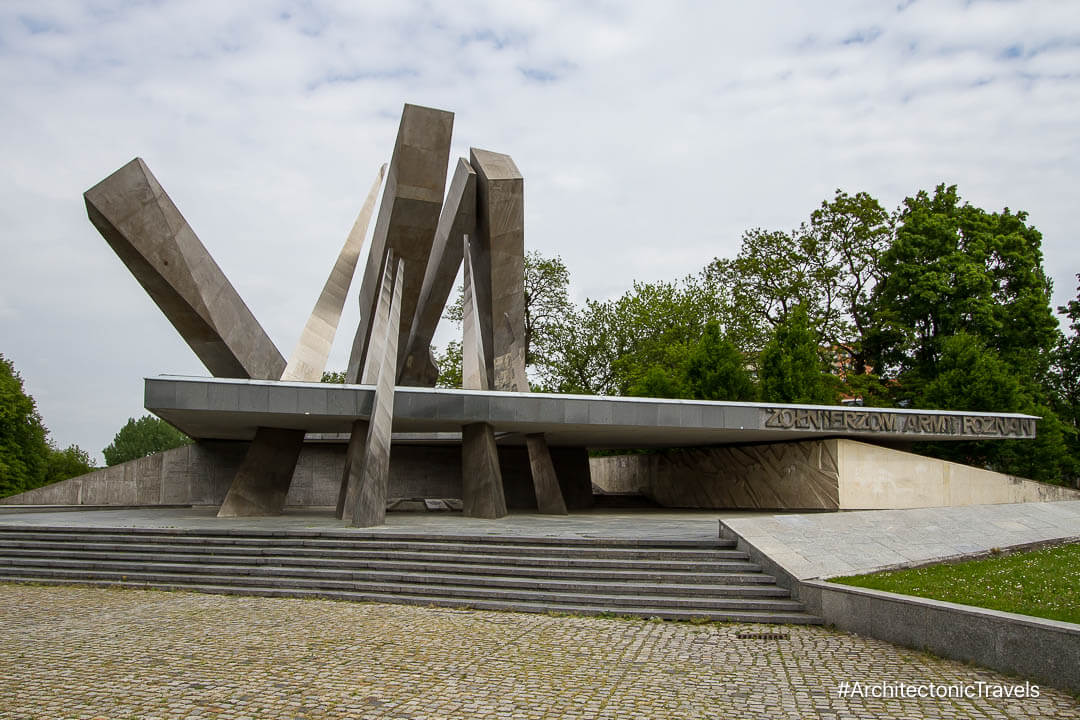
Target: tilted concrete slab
x=458 y=219
x=308 y=360
x=408 y=217
x=369 y=476
x=499 y=266
x=146 y=230
x=232 y=409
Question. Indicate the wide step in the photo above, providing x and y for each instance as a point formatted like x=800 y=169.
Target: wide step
x=670 y=580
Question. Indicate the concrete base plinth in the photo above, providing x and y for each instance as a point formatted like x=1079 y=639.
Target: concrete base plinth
x=549 y=499
x=263 y=480
x=482 y=488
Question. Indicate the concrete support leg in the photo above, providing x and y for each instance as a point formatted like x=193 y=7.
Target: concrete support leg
x=482 y=488
x=549 y=499
x=262 y=482
x=369 y=507
x=354 y=457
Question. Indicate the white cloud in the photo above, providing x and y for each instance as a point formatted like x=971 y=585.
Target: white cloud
x=650 y=136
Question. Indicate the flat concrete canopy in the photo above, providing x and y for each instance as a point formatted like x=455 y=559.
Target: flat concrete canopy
x=228 y=409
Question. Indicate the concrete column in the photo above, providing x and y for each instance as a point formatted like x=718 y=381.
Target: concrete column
x=263 y=480
x=482 y=489
x=354 y=454
x=408 y=217
x=458 y=219
x=369 y=507
x=549 y=499
x=308 y=360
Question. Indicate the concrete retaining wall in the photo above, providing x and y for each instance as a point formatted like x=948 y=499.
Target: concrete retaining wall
x=811 y=475
x=200 y=474
x=1042 y=650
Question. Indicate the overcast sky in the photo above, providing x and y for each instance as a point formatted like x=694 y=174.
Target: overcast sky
x=650 y=134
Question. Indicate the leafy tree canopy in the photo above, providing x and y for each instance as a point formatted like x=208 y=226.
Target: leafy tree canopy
x=791 y=369
x=142 y=437
x=28 y=458
x=24 y=451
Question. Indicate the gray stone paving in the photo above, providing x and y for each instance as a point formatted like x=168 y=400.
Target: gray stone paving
x=643 y=524
x=70 y=652
x=831 y=544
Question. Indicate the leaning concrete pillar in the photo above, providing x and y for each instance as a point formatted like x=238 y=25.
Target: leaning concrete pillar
x=369 y=375
x=408 y=215
x=500 y=235
x=482 y=488
x=140 y=222
x=549 y=499
x=262 y=482
x=308 y=360
x=372 y=476
x=457 y=220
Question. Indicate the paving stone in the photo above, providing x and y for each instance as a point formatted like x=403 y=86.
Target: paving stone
x=107 y=652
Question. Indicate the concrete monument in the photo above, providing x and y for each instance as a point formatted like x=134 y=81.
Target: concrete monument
x=140 y=222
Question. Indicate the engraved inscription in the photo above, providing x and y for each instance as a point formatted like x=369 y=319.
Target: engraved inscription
x=920 y=423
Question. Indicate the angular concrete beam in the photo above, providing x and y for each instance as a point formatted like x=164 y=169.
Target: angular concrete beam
x=549 y=499
x=358 y=439
x=457 y=220
x=369 y=507
x=475 y=360
x=407 y=219
x=263 y=480
x=500 y=234
x=308 y=360
x=146 y=230
x=482 y=488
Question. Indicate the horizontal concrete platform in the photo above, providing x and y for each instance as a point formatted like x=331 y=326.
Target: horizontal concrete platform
x=214 y=408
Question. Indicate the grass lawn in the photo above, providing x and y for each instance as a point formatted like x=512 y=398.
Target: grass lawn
x=1044 y=582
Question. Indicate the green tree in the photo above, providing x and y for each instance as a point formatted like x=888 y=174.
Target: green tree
x=547 y=304
x=449 y=364
x=1066 y=383
x=24 y=450
x=965 y=323
x=791 y=369
x=70 y=462
x=972 y=376
x=957 y=268
x=333 y=376
x=829 y=266
x=716 y=369
x=142 y=437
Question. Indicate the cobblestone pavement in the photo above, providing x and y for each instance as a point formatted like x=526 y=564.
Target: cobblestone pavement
x=73 y=652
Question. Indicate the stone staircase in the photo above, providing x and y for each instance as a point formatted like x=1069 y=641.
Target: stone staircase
x=670 y=579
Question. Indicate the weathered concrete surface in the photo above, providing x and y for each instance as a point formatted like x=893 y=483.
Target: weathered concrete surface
x=358 y=438
x=458 y=219
x=779 y=476
x=369 y=506
x=812 y=475
x=408 y=217
x=308 y=360
x=549 y=499
x=874 y=477
x=222 y=408
x=262 y=482
x=482 y=483
x=500 y=236
x=475 y=358
x=146 y=230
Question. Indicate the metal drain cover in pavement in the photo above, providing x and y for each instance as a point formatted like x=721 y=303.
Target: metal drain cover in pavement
x=761 y=636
